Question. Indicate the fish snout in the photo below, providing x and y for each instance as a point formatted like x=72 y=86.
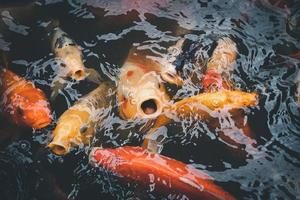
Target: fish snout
x=79 y=75
x=60 y=147
x=150 y=103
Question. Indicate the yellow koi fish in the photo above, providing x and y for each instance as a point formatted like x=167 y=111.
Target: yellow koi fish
x=76 y=125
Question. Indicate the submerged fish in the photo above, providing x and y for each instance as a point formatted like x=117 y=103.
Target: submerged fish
x=220 y=65
x=22 y=103
x=76 y=125
x=141 y=92
x=157 y=173
x=72 y=65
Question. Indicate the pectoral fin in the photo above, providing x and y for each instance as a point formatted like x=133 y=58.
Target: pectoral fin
x=93 y=76
x=57 y=85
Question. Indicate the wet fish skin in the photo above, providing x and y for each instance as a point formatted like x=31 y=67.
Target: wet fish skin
x=201 y=106
x=220 y=65
x=22 y=103
x=76 y=125
x=169 y=176
x=66 y=49
x=140 y=82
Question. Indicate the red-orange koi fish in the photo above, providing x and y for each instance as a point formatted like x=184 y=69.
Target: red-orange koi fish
x=21 y=102
x=168 y=176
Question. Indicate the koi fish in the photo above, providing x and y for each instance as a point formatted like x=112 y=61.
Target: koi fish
x=76 y=125
x=203 y=106
x=66 y=50
x=220 y=65
x=163 y=174
x=140 y=92
x=22 y=103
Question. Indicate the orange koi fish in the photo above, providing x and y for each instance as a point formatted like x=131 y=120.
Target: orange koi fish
x=166 y=175
x=22 y=103
x=140 y=92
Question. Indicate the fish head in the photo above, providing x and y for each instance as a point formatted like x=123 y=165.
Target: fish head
x=72 y=129
x=31 y=108
x=142 y=97
x=72 y=63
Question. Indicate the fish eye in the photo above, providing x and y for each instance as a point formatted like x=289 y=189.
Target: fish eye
x=20 y=111
x=83 y=129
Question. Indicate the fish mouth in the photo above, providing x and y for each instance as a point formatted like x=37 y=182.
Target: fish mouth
x=79 y=74
x=58 y=149
x=150 y=108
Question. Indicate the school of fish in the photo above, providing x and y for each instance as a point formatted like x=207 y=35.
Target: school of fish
x=140 y=93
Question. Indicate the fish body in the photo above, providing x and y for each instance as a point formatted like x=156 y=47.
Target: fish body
x=140 y=92
x=220 y=65
x=163 y=174
x=66 y=50
x=76 y=125
x=201 y=106
x=22 y=103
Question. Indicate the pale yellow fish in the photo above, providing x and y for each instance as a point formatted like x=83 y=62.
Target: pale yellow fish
x=69 y=53
x=76 y=126
x=141 y=92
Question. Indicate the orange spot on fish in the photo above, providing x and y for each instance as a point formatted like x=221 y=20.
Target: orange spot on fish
x=125 y=103
x=130 y=73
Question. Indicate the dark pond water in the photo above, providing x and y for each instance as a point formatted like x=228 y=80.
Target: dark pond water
x=106 y=30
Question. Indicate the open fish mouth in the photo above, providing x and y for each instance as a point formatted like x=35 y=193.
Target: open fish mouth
x=79 y=75
x=150 y=108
